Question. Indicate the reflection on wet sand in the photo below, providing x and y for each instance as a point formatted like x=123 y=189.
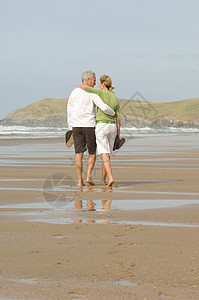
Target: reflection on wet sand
x=90 y=206
x=106 y=204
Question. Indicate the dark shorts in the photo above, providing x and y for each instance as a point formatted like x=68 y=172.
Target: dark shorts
x=84 y=137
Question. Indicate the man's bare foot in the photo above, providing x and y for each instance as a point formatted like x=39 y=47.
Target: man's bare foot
x=90 y=181
x=80 y=184
x=110 y=183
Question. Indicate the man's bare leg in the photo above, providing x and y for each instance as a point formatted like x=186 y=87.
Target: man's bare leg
x=79 y=167
x=107 y=164
x=91 y=162
x=104 y=174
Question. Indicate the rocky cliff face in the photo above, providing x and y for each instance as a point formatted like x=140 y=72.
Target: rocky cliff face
x=157 y=123
x=49 y=121
x=61 y=121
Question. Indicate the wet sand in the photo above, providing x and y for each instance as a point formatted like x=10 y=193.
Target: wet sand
x=138 y=240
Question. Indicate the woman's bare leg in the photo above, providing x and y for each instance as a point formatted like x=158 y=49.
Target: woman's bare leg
x=104 y=174
x=107 y=165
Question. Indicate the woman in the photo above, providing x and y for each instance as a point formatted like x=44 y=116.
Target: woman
x=107 y=127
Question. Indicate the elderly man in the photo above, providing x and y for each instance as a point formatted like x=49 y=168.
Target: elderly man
x=81 y=119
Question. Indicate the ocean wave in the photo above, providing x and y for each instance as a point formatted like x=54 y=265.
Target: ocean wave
x=30 y=132
x=50 y=132
x=155 y=131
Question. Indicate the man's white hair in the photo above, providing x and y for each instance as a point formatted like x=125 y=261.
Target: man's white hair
x=87 y=75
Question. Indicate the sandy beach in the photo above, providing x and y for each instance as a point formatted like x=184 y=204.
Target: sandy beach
x=137 y=240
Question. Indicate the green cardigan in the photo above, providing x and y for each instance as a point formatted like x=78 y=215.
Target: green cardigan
x=109 y=98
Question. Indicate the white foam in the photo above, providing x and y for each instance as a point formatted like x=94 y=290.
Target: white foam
x=31 y=132
x=39 y=132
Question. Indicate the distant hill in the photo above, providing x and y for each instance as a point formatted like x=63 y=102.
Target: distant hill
x=45 y=112
x=52 y=112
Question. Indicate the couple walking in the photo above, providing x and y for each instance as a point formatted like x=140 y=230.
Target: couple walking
x=90 y=130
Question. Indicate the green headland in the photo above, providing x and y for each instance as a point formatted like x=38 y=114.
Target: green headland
x=52 y=112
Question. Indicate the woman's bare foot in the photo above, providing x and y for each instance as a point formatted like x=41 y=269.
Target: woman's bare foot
x=104 y=183
x=110 y=183
x=90 y=181
x=80 y=184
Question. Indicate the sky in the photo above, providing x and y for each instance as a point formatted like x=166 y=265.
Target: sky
x=150 y=47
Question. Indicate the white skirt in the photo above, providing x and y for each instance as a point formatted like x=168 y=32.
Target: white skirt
x=105 y=137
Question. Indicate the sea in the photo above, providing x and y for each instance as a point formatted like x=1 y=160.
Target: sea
x=9 y=132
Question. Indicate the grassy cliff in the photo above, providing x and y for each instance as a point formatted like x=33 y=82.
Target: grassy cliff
x=45 y=112
x=52 y=112
x=184 y=112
